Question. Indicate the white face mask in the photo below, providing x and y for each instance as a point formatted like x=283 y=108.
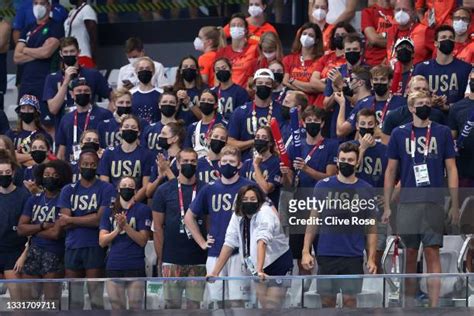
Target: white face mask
x=402 y=18
x=132 y=60
x=319 y=14
x=237 y=32
x=307 y=41
x=255 y=10
x=270 y=56
x=39 y=11
x=460 y=27
x=198 y=44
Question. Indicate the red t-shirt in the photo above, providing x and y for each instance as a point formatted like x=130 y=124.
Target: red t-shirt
x=243 y=63
x=422 y=36
x=381 y=20
x=323 y=66
x=255 y=32
x=460 y=51
x=467 y=53
x=300 y=71
x=206 y=65
x=443 y=10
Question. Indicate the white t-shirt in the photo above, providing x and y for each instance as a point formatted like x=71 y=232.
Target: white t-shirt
x=335 y=9
x=127 y=72
x=79 y=30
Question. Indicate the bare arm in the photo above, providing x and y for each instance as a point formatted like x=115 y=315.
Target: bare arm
x=61 y=152
x=106 y=237
x=348 y=13
x=5 y=31
x=316 y=81
x=306 y=87
x=453 y=182
x=19 y=57
x=192 y=225
x=158 y=234
x=375 y=39
x=91 y=27
x=226 y=253
x=140 y=237
x=317 y=175
x=240 y=144
x=141 y=194
x=266 y=186
x=389 y=184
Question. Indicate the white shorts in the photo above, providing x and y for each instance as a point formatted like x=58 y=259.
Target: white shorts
x=235 y=289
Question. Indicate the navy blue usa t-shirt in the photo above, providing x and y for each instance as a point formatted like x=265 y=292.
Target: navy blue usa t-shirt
x=145 y=104
x=373 y=166
x=231 y=98
x=11 y=208
x=402 y=116
x=109 y=134
x=207 y=170
x=449 y=80
x=24 y=139
x=217 y=200
x=441 y=147
x=343 y=240
x=41 y=209
x=177 y=247
x=116 y=163
x=84 y=201
x=190 y=140
x=124 y=252
x=150 y=137
x=184 y=112
x=378 y=106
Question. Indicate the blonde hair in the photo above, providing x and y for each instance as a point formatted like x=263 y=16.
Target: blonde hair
x=270 y=39
x=148 y=59
x=416 y=79
x=216 y=35
x=231 y=151
x=412 y=97
x=116 y=94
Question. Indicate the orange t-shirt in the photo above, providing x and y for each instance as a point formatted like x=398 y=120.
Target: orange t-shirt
x=255 y=32
x=381 y=20
x=443 y=10
x=460 y=51
x=300 y=71
x=467 y=53
x=422 y=36
x=327 y=37
x=323 y=66
x=206 y=65
x=243 y=63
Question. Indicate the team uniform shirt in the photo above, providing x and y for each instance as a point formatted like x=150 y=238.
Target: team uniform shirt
x=440 y=148
x=4 y=124
x=75 y=26
x=173 y=167
x=422 y=36
x=177 y=247
x=150 y=137
x=242 y=62
x=22 y=139
x=98 y=84
x=449 y=80
x=207 y=170
x=184 y=112
x=29 y=173
x=65 y=132
x=127 y=72
x=325 y=154
x=11 y=208
x=34 y=72
x=325 y=64
x=41 y=209
x=230 y=99
x=241 y=122
x=206 y=66
x=279 y=96
x=255 y=32
x=84 y=201
x=381 y=19
x=124 y=253
x=466 y=54
x=145 y=104
x=459 y=113
x=300 y=70
x=217 y=200
x=403 y=116
x=442 y=11
x=382 y=108
x=198 y=142
x=76 y=171
x=270 y=169
x=109 y=132
x=343 y=240
x=373 y=165
x=116 y=163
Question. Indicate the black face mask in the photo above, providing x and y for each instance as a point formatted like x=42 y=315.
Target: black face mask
x=51 y=184
x=278 y=77
x=338 y=42
x=423 y=112
x=261 y=145
x=167 y=110
x=83 y=99
x=347 y=91
x=163 y=143
x=124 y=110
x=249 y=208
x=189 y=74
x=264 y=92
x=27 y=117
x=285 y=113
x=446 y=47
x=88 y=173
x=380 y=88
x=217 y=145
x=206 y=108
x=126 y=193
x=38 y=155
x=404 y=55
x=364 y=130
x=145 y=76
x=471 y=85
x=346 y=169
x=313 y=129
x=91 y=145
x=69 y=60
x=129 y=135
x=228 y=171
x=5 y=181
x=188 y=170
x=353 y=57
x=223 y=75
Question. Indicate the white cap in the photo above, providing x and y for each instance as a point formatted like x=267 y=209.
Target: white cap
x=404 y=40
x=264 y=73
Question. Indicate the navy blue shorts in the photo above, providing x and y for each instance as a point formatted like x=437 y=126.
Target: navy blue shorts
x=8 y=259
x=281 y=266
x=85 y=258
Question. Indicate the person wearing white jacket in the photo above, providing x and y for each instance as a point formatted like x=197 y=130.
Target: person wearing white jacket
x=264 y=249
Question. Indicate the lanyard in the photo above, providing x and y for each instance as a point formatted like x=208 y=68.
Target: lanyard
x=210 y=126
x=308 y=157
x=86 y=124
x=413 y=145
x=281 y=95
x=220 y=106
x=181 y=200
x=74 y=17
x=246 y=239
x=254 y=116
x=36 y=30
x=384 y=109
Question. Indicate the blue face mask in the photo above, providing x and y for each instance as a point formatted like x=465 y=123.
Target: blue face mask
x=228 y=171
